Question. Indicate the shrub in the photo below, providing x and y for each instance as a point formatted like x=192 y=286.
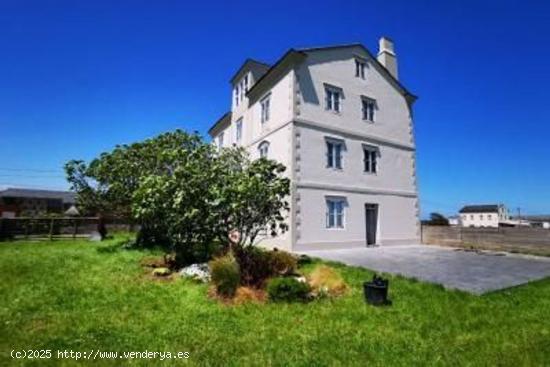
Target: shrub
x=225 y=275
x=287 y=290
x=247 y=295
x=282 y=263
x=325 y=281
x=254 y=264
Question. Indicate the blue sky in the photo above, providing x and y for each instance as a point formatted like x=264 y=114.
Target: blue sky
x=78 y=77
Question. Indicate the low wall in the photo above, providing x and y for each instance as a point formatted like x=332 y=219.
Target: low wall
x=512 y=239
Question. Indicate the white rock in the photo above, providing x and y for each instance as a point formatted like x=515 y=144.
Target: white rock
x=199 y=272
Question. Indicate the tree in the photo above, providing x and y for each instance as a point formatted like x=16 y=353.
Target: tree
x=185 y=193
x=438 y=219
x=108 y=184
x=251 y=197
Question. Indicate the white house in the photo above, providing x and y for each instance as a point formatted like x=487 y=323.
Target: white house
x=340 y=121
x=483 y=215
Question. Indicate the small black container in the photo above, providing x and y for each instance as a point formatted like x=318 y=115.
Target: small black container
x=376 y=291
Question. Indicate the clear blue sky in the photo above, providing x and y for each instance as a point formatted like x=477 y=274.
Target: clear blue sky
x=78 y=77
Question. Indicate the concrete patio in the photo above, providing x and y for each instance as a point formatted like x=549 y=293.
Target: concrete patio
x=472 y=272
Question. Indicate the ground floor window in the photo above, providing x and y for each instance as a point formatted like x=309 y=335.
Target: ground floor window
x=335 y=212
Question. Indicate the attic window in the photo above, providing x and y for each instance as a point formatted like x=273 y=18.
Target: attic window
x=360 y=67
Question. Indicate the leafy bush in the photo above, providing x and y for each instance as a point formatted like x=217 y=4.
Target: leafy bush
x=326 y=281
x=225 y=275
x=282 y=262
x=255 y=265
x=249 y=295
x=287 y=290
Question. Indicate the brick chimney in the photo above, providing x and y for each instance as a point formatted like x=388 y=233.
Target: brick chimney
x=386 y=55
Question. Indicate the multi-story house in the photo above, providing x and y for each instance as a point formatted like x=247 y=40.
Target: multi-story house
x=484 y=215
x=341 y=122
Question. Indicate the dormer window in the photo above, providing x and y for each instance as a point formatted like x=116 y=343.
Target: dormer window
x=237 y=97
x=360 y=67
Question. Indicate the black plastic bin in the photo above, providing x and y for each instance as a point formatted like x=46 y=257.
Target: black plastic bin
x=376 y=291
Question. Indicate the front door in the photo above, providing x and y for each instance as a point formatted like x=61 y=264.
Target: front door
x=371 y=222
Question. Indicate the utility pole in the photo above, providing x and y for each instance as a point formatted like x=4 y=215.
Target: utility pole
x=519 y=215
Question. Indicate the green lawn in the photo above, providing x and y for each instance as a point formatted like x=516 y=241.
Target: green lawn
x=81 y=296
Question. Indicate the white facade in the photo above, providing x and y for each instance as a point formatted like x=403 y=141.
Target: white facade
x=484 y=215
x=353 y=179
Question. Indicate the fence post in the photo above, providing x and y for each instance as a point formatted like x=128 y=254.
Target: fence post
x=51 y=229
x=27 y=224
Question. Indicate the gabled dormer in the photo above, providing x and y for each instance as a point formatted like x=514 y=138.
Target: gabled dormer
x=243 y=80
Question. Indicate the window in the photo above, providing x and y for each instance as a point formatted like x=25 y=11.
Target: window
x=264 y=103
x=335 y=213
x=220 y=140
x=334 y=154
x=360 y=68
x=237 y=95
x=481 y=217
x=246 y=83
x=369 y=107
x=471 y=217
x=263 y=148
x=242 y=89
x=333 y=99
x=239 y=130
x=489 y=217
x=370 y=155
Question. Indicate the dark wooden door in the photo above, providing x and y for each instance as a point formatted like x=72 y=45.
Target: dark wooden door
x=371 y=222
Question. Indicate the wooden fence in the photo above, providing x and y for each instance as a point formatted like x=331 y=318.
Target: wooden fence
x=52 y=228
x=511 y=239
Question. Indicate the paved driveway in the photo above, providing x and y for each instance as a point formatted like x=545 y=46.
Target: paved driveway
x=468 y=271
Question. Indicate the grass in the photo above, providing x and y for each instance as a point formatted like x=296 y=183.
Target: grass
x=79 y=295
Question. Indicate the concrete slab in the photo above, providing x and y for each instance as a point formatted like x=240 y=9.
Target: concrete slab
x=475 y=273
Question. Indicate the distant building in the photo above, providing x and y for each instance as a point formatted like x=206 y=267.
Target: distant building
x=483 y=215
x=454 y=220
x=27 y=202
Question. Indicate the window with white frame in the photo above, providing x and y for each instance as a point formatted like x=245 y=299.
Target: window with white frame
x=360 y=67
x=370 y=159
x=333 y=99
x=239 y=130
x=263 y=148
x=369 y=108
x=335 y=212
x=237 y=95
x=334 y=153
x=220 y=140
x=265 y=108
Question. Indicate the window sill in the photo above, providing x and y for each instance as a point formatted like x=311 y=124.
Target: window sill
x=335 y=229
x=335 y=169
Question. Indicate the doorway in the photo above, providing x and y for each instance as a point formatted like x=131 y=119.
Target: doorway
x=371 y=223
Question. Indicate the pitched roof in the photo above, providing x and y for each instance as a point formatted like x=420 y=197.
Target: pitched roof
x=226 y=117
x=65 y=196
x=492 y=208
x=291 y=52
x=297 y=54
x=246 y=64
